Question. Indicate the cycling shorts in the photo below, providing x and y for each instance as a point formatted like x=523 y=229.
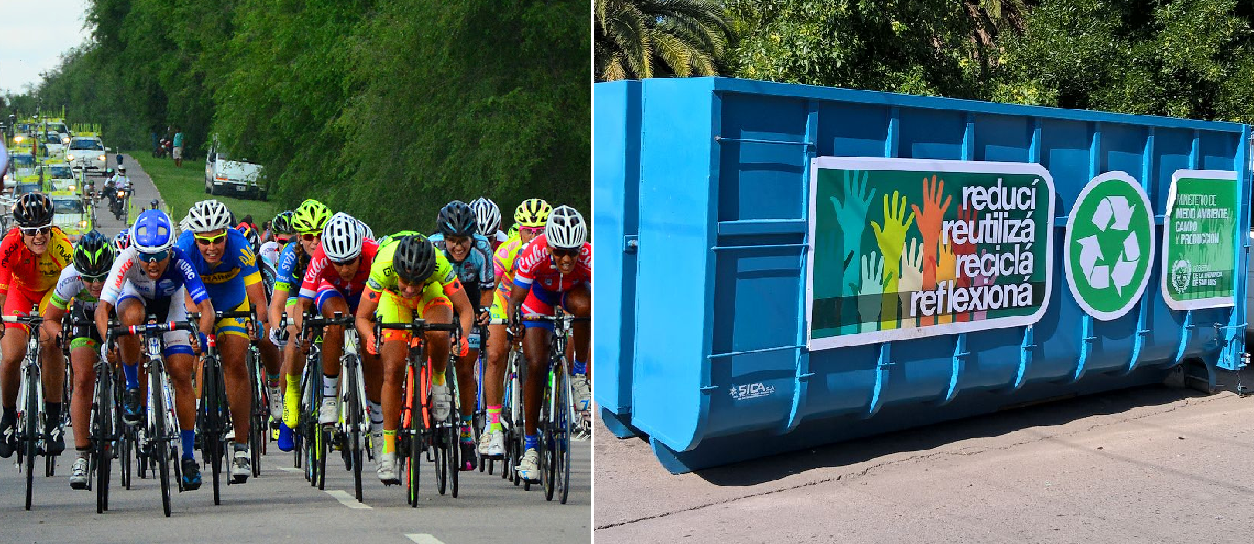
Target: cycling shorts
x=21 y=301
x=499 y=308
x=327 y=291
x=394 y=309
x=163 y=309
x=540 y=302
x=234 y=325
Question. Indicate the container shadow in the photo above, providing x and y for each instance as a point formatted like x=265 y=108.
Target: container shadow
x=925 y=438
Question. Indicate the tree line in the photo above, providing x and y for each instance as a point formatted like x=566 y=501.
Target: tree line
x=387 y=109
x=1180 y=58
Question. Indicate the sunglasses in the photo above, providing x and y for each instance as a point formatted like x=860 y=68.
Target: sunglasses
x=154 y=257
x=210 y=240
x=95 y=279
x=344 y=263
x=310 y=237
x=36 y=231
x=558 y=252
x=536 y=231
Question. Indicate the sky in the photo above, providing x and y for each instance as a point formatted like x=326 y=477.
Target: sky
x=33 y=35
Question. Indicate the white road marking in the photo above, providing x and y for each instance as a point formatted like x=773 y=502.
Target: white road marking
x=346 y=499
x=424 y=538
x=290 y=469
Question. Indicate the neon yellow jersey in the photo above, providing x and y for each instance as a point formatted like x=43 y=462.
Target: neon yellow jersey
x=503 y=263
x=384 y=278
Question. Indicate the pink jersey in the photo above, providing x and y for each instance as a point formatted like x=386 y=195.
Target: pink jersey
x=321 y=274
x=534 y=266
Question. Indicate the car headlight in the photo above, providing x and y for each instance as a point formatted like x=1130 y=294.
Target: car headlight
x=71 y=187
x=121 y=194
x=69 y=157
x=18 y=139
x=65 y=140
x=82 y=224
x=100 y=158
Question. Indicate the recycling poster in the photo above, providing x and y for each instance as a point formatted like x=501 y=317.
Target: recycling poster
x=909 y=248
x=1199 y=244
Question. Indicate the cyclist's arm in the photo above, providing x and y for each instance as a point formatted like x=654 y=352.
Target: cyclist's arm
x=365 y=309
x=516 y=297
x=257 y=294
x=276 y=305
x=102 y=318
x=207 y=318
x=52 y=320
x=465 y=312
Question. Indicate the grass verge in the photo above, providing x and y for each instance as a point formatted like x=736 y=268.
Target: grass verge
x=182 y=187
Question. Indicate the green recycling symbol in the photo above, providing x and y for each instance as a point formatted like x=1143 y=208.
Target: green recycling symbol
x=1109 y=245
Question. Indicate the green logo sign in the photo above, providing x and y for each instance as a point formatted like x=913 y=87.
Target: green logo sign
x=908 y=248
x=1199 y=244
x=1109 y=245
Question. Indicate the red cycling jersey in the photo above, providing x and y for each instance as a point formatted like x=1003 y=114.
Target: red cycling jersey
x=534 y=266
x=321 y=274
x=21 y=268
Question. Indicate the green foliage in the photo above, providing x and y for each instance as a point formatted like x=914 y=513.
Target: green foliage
x=386 y=109
x=658 y=38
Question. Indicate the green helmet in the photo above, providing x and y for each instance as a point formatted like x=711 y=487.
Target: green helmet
x=533 y=212
x=310 y=217
x=93 y=254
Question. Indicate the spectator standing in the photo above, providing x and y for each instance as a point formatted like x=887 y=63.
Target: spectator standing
x=178 y=148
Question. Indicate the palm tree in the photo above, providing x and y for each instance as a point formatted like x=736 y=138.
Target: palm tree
x=650 y=38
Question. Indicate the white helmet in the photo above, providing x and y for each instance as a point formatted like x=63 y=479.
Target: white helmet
x=365 y=230
x=341 y=238
x=565 y=228
x=207 y=215
x=487 y=216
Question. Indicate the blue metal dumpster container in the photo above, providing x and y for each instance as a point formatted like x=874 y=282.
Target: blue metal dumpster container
x=704 y=338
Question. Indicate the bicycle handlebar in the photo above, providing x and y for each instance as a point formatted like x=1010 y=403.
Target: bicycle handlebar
x=24 y=319
x=419 y=325
x=169 y=326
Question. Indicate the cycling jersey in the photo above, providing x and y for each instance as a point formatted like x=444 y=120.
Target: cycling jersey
x=20 y=268
x=536 y=267
x=128 y=274
x=475 y=271
x=321 y=279
x=71 y=287
x=384 y=284
x=227 y=280
x=291 y=269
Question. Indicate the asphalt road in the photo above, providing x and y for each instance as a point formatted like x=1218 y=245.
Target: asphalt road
x=145 y=191
x=1143 y=465
x=280 y=506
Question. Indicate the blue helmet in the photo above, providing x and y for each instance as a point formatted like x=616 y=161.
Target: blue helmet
x=152 y=232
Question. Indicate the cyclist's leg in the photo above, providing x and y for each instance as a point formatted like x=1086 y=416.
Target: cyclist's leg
x=393 y=352
x=536 y=351
x=83 y=358
x=494 y=374
x=180 y=363
x=293 y=367
x=53 y=360
x=232 y=347
x=330 y=301
x=13 y=349
x=578 y=301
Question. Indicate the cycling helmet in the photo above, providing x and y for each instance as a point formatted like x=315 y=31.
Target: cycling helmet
x=282 y=223
x=566 y=228
x=487 y=216
x=456 y=219
x=122 y=240
x=121 y=170
x=93 y=255
x=341 y=238
x=152 y=204
x=533 y=212
x=152 y=232
x=365 y=230
x=310 y=217
x=254 y=241
x=414 y=260
x=208 y=215
x=33 y=210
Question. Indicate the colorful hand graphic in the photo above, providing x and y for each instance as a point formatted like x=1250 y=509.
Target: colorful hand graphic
x=930 y=219
x=911 y=280
x=873 y=279
x=946 y=270
x=891 y=238
x=853 y=211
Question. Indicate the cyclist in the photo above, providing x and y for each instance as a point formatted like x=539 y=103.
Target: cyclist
x=488 y=218
x=555 y=268
x=267 y=265
x=409 y=275
x=31 y=258
x=77 y=292
x=153 y=276
x=282 y=227
x=471 y=257
x=227 y=266
x=334 y=282
x=307 y=222
x=530 y=217
x=121 y=241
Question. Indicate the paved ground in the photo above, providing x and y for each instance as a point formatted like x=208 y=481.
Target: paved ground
x=1143 y=465
x=145 y=191
x=280 y=506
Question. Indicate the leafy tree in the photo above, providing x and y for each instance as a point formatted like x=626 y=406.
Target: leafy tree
x=657 y=38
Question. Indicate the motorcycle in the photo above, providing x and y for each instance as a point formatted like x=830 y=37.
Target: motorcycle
x=117 y=200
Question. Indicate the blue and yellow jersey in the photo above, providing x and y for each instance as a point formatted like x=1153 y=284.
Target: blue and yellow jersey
x=227 y=280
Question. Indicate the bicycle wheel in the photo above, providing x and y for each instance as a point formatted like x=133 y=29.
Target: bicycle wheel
x=257 y=428
x=102 y=424
x=32 y=429
x=454 y=434
x=125 y=437
x=548 y=461
x=562 y=441
x=353 y=419
x=211 y=420
x=160 y=439
x=413 y=424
